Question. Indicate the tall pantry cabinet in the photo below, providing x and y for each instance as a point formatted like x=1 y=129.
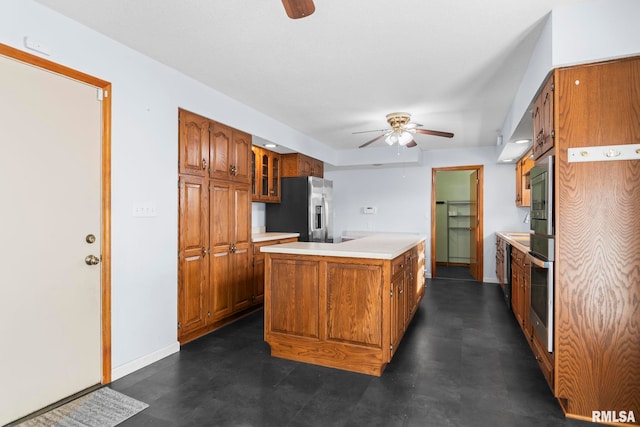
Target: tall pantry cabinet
x=214 y=230
x=596 y=358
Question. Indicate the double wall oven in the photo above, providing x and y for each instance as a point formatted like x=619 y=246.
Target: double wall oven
x=541 y=255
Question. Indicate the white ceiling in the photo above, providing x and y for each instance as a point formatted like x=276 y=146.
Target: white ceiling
x=453 y=64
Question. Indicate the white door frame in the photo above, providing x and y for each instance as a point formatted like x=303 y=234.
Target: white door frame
x=105 y=249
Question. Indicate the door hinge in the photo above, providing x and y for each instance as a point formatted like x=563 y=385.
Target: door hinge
x=553 y=87
x=102 y=94
x=391 y=347
x=391 y=293
x=179 y=325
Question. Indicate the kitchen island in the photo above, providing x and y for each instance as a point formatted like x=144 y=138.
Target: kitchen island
x=344 y=305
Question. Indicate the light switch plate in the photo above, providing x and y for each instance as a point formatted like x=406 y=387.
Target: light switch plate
x=144 y=210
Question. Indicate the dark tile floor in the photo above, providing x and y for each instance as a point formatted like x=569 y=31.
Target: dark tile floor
x=463 y=362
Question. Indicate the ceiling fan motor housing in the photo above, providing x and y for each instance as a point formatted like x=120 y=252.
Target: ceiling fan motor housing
x=397 y=120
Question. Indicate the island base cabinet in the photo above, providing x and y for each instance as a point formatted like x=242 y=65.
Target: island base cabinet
x=334 y=311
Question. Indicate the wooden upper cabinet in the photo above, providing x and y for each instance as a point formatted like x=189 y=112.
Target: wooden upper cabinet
x=543 y=130
x=523 y=182
x=265 y=179
x=240 y=168
x=220 y=154
x=297 y=164
x=193 y=144
x=230 y=154
x=208 y=148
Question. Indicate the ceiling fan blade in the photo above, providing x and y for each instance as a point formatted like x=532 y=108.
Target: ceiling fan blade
x=411 y=143
x=298 y=8
x=372 y=141
x=376 y=130
x=435 y=133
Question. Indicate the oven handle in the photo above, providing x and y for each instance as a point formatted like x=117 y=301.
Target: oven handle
x=537 y=261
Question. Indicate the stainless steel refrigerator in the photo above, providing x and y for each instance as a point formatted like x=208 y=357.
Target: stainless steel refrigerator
x=306 y=207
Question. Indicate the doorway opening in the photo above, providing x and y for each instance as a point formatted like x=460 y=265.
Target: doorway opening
x=456 y=226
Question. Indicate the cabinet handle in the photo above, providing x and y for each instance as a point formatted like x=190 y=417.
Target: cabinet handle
x=204 y=163
x=233 y=170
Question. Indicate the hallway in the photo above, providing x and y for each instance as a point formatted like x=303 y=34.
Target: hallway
x=463 y=362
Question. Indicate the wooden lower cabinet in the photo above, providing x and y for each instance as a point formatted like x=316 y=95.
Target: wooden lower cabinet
x=257 y=296
x=215 y=281
x=519 y=296
x=345 y=313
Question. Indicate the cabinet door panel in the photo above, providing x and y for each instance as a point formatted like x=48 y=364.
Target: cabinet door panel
x=240 y=158
x=193 y=275
x=241 y=279
x=354 y=297
x=295 y=303
x=192 y=293
x=220 y=151
x=221 y=218
x=220 y=286
x=241 y=215
x=193 y=144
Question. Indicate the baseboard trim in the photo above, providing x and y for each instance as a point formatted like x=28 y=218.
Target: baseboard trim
x=143 y=361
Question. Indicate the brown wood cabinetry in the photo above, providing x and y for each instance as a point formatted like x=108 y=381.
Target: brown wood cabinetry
x=208 y=148
x=193 y=232
x=214 y=258
x=523 y=185
x=543 y=120
x=297 y=164
x=517 y=288
x=340 y=312
x=265 y=178
x=520 y=289
x=597 y=212
x=194 y=144
x=230 y=239
x=500 y=270
x=258 y=267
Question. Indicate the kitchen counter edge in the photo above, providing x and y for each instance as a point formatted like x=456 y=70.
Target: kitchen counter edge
x=507 y=235
x=266 y=237
x=379 y=246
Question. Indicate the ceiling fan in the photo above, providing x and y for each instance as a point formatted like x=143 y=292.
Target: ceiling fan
x=402 y=131
x=298 y=8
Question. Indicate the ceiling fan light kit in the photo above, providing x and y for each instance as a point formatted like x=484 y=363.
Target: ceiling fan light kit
x=401 y=138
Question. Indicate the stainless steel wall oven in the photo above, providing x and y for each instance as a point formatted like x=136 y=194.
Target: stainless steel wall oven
x=541 y=255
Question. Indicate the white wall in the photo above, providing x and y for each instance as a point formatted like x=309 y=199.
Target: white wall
x=145 y=100
x=576 y=33
x=402 y=197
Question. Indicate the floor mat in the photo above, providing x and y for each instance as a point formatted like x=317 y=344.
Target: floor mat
x=101 y=408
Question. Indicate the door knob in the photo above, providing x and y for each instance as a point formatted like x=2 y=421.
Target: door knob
x=92 y=260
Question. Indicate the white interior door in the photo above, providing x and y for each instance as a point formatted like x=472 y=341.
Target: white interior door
x=50 y=298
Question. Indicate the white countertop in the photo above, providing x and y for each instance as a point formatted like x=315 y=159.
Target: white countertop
x=265 y=237
x=520 y=239
x=378 y=246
